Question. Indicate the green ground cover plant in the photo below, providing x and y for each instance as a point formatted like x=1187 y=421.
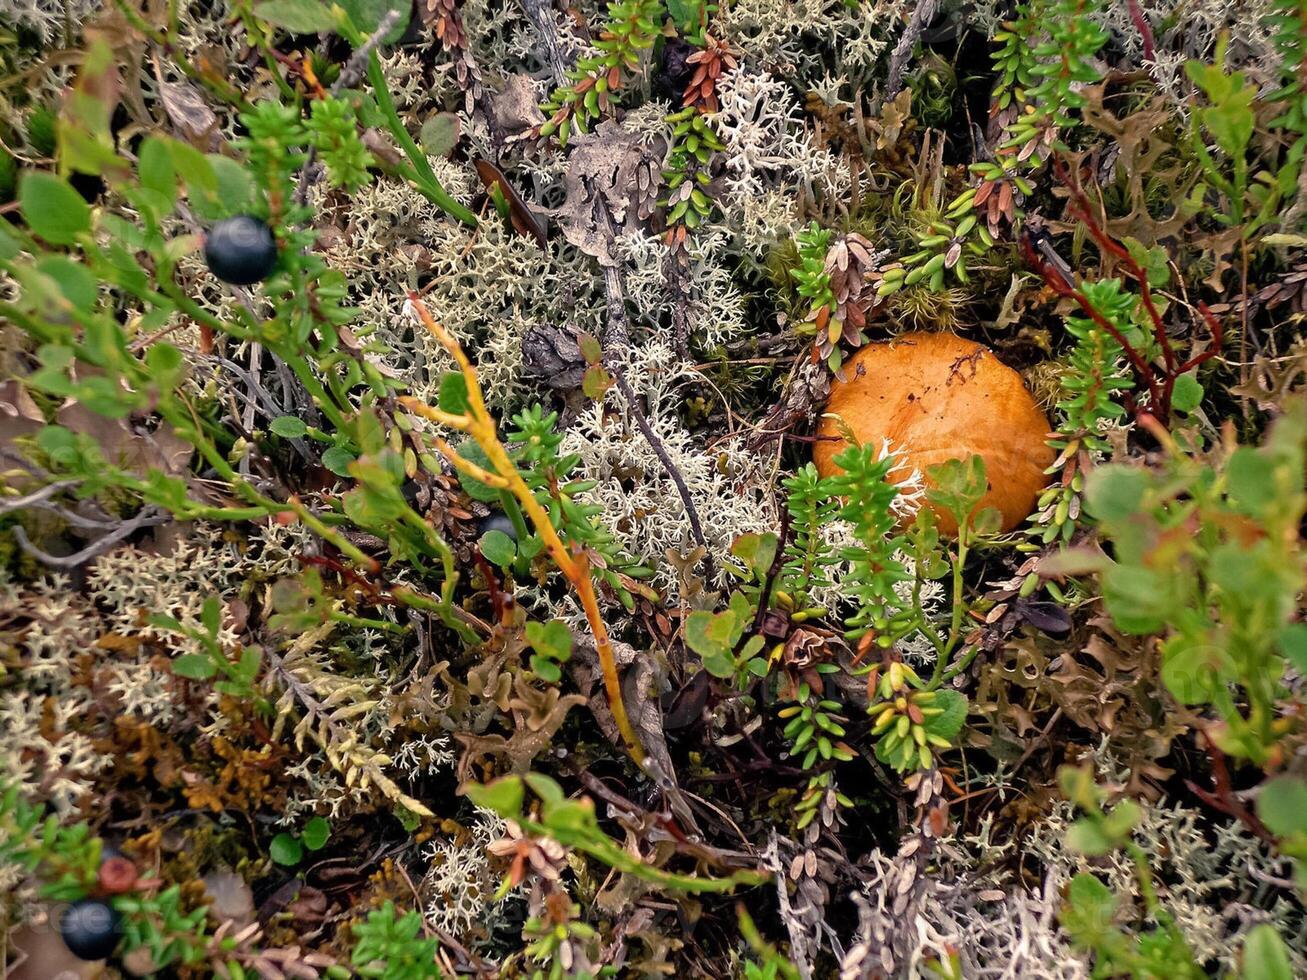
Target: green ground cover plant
x=413 y=561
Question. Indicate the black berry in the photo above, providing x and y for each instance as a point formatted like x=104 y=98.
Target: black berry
x=90 y=929
x=496 y=521
x=240 y=250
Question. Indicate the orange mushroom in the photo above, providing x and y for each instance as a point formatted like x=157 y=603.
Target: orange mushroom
x=935 y=397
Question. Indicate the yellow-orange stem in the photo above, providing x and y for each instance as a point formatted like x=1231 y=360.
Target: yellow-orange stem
x=480 y=425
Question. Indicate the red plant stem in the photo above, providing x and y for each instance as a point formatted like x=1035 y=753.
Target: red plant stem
x=1145 y=32
x=1160 y=395
x=1059 y=286
x=1111 y=247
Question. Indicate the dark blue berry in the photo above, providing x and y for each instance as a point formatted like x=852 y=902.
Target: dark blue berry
x=496 y=521
x=240 y=250
x=90 y=929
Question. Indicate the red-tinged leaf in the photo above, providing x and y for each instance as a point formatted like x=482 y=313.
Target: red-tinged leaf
x=524 y=222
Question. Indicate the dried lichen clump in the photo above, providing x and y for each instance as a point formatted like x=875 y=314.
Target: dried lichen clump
x=937 y=397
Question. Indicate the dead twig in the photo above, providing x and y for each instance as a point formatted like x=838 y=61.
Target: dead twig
x=150 y=517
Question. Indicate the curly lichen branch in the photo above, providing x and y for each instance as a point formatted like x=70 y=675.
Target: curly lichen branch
x=480 y=425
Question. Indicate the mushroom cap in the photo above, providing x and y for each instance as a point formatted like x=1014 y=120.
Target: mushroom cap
x=936 y=396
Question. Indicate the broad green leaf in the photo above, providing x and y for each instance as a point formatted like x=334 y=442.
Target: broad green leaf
x=51 y=208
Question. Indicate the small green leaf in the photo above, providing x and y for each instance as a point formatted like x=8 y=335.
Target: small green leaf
x=1187 y=394
x=165 y=622
x=76 y=282
x=9 y=246
x=1115 y=492
x=552 y=639
x=1264 y=955
x=52 y=209
x=1087 y=837
x=337 y=459
x=285 y=849
x=453 y=393
x=504 y=796
x=288 y=427
x=546 y=669
x=498 y=548
x=211 y=614
x=439 y=134
x=1282 y=805
x=366 y=15
x=719 y=663
x=757 y=551
x=590 y=348
x=156 y=170
x=948 y=723
x=707 y=633
x=234 y=188
x=595 y=382
x=1293 y=646
x=1193 y=667
x=316 y=833
x=296 y=16
x=194 y=666
x=1090 y=910
x=477 y=490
